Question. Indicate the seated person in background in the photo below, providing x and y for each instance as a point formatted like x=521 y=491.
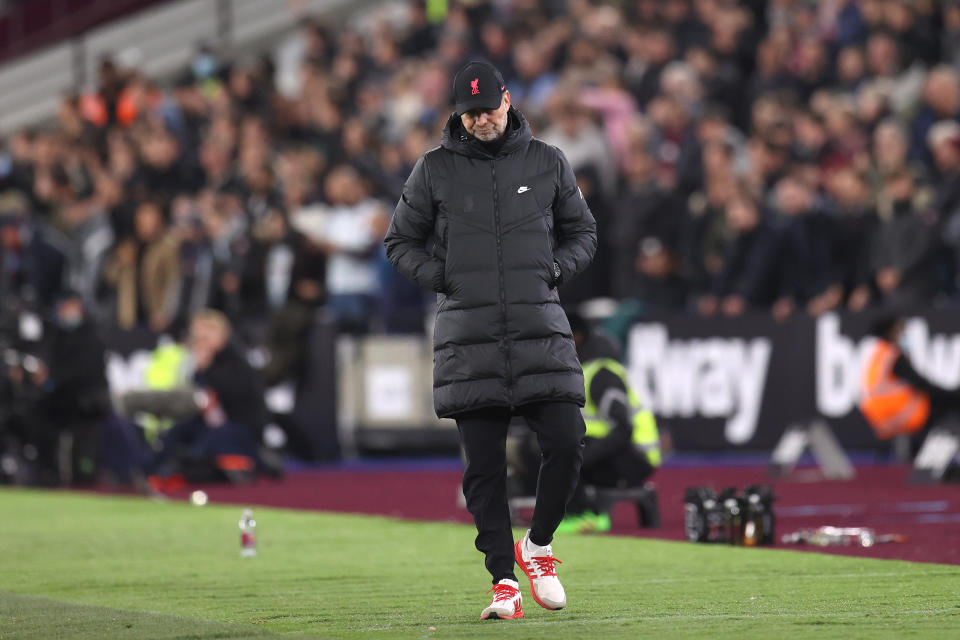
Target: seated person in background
x=895 y=398
x=622 y=445
x=224 y=436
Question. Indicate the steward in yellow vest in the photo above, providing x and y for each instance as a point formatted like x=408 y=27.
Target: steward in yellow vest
x=622 y=445
x=628 y=413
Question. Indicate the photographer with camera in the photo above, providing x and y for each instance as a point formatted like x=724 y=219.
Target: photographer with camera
x=75 y=400
x=54 y=394
x=26 y=442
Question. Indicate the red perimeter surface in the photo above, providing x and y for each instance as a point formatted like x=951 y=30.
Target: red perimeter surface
x=879 y=497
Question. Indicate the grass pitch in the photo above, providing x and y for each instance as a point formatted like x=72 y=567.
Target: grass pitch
x=77 y=566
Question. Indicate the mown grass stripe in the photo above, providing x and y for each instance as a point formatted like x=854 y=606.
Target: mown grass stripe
x=350 y=576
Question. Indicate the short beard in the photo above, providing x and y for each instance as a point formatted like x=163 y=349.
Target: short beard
x=489 y=135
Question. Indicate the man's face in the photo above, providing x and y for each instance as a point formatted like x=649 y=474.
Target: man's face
x=946 y=156
x=70 y=314
x=487 y=124
x=206 y=340
x=9 y=236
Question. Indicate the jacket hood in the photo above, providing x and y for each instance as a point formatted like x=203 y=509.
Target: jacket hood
x=455 y=138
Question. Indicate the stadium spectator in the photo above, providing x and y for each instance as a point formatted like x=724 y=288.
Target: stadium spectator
x=143 y=272
x=950 y=51
x=904 y=248
x=644 y=210
x=33 y=269
x=606 y=96
x=658 y=285
x=941 y=101
x=535 y=81
x=944 y=142
x=674 y=144
x=890 y=153
x=747 y=273
x=350 y=241
x=597 y=280
x=806 y=279
x=421 y=35
x=854 y=224
x=651 y=49
x=574 y=132
x=706 y=240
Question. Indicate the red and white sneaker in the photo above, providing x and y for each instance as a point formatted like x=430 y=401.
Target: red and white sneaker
x=507 y=603
x=539 y=564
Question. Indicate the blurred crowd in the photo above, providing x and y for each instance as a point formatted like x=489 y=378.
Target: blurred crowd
x=782 y=156
x=786 y=156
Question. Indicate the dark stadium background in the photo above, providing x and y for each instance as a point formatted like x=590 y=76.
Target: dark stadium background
x=765 y=175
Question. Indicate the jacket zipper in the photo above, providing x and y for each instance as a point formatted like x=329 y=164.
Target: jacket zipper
x=446 y=247
x=505 y=347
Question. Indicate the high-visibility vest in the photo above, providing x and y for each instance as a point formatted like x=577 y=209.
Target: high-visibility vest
x=890 y=405
x=645 y=436
x=167 y=368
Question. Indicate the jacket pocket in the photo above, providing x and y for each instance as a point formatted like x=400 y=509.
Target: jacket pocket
x=441 y=250
x=452 y=243
x=550 y=240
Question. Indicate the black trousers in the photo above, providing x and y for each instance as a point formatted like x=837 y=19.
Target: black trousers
x=483 y=433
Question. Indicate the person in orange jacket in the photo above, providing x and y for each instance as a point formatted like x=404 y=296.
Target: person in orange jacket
x=895 y=398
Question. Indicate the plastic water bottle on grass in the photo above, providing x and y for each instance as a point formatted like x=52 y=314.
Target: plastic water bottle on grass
x=248 y=534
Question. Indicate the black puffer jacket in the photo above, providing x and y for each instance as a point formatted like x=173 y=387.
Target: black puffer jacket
x=484 y=232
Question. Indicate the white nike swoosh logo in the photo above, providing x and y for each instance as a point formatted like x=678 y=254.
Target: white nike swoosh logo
x=523 y=189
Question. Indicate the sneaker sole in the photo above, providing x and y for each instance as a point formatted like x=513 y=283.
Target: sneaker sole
x=493 y=615
x=518 y=555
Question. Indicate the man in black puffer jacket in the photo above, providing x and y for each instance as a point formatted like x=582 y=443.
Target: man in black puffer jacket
x=492 y=220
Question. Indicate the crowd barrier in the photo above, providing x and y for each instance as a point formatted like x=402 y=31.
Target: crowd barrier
x=385 y=396
x=716 y=384
x=738 y=383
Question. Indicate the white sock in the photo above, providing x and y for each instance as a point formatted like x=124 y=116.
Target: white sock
x=512 y=583
x=531 y=547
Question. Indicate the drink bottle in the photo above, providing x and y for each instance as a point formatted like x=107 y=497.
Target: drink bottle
x=248 y=534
